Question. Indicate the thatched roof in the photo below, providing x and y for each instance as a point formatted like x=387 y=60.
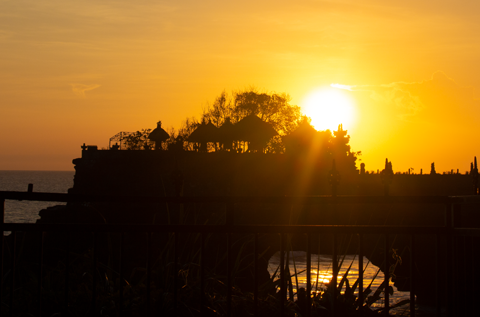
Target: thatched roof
x=227 y=132
x=254 y=129
x=304 y=133
x=158 y=134
x=204 y=133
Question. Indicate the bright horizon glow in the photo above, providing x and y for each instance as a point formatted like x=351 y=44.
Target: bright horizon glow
x=328 y=108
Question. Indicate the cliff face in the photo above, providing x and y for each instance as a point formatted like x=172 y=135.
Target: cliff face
x=224 y=173
x=204 y=174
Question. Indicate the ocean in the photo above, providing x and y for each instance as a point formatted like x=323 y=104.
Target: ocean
x=60 y=182
x=43 y=181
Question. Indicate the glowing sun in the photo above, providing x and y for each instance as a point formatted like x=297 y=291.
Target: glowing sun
x=328 y=108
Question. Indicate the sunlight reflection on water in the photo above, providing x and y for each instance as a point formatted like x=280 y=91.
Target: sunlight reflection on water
x=323 y=265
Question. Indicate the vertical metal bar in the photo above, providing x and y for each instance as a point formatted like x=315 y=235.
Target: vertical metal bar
x=458 y=267
x=387 y=276
x=449 y=259
x=230 y=217
x=202 y=273
x=309 y=274
x=438 y=278
x=12 y=281
x=283 y=288
x=469 y=274
x=255 y=290
x=412 y=275
x=449 y=264
x=94 y=274
x=448 y=215
x=149 y=269
x=229 y=274
x=334 y=275
x=122 y=250
x=67 y=273
x=175 y=273
x=40 y=273
x=2 y=211
x=2 y=221
x=360 y=273
x=464 y=276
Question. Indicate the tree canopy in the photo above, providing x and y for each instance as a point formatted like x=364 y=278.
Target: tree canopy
x=244 y=120
x=272 y=108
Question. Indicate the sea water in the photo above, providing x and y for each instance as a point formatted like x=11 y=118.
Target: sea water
x=43 y=181
x=60 y=182
x=321 y=274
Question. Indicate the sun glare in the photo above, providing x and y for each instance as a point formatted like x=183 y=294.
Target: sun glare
x=328 y=108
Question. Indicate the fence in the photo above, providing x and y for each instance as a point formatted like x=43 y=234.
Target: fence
x=458 y=289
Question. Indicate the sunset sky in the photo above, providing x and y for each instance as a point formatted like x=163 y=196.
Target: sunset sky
x=74 y=72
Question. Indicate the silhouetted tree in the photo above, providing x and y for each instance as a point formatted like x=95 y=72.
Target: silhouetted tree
x=271 y=108
x=179 y=140
x=138 y=140
x=274 y=109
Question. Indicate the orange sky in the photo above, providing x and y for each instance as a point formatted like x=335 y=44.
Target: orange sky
x=74 y=72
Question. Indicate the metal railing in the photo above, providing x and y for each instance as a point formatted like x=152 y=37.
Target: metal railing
x=456 y=277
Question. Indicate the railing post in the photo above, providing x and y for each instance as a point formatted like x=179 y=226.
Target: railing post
x=94 y=276
x=202 y=273
x=387 y=276
x=458 y=253
x=360 y=274
x=12 y=281
x=229 y=274
x=449 y=260
x=149 y=271
x=412 y=275
x=309 y=275
x=229 y=221
x=469 y=263
x=334 y=275
x=2 y=222
x=121 y=273
x=67 y=271
x=438 y=278
x=255 y=263
x=40 y=273
x=283 y=289
x=175 y=276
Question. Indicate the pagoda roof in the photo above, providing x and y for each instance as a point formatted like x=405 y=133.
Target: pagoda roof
x=205 y=132
x=159 y=134
x=252 y=128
